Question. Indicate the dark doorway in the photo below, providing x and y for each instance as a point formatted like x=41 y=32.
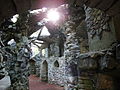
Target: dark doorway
x=44 y=71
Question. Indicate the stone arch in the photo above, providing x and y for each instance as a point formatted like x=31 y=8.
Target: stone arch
x=56 y=64
x=44 y=71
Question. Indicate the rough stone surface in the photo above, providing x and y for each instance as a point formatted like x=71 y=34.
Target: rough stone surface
x=15 y=54
x=100 y=29
x=72 y=47
x=55 y=74
x=97 y=70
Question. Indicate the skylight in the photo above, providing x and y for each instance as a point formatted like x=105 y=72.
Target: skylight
x=53 y=15
x=44 y=32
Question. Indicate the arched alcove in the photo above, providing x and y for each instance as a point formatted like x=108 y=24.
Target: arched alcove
x=56 y=64
x=32 y=67
x=44 y=71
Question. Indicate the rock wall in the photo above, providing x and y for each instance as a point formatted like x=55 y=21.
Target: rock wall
x=101 y=31
x=54 y=50
x=82 y=37
x=16 y=52
x=56 y=74
x=98 y=67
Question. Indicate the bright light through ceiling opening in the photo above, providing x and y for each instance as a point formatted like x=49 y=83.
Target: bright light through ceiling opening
x=44 y=32
x=53 y=15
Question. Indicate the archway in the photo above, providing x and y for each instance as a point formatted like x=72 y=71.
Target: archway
x=32 y=66
x=44 y=71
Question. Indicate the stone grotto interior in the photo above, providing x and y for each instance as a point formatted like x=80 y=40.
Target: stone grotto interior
x=72 y=44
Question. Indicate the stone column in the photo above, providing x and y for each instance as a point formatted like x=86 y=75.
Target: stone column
x=72 y=48
x=19 y=67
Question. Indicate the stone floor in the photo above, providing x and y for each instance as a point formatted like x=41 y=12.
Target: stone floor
x=36 y=84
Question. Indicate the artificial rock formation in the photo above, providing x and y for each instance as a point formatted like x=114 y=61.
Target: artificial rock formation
x=97 y=66
x=72 y=49
x=19 y=76
x=51 y=70
x=16 y=52
x=54 y=67
x=78 y=69
x=100 y=29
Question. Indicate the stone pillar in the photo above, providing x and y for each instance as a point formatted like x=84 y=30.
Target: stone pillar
x=72 y=48
x=19 y=65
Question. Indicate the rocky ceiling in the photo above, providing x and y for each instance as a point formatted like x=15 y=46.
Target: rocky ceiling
x=9 y=8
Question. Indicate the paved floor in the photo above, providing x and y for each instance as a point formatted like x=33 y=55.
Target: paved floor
x=36 y=84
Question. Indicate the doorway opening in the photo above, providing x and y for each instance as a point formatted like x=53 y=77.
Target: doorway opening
x=44 y=71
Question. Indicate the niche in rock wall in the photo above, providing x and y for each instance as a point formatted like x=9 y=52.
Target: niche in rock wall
x=44 y=71
x=56 y=64
x=32 y=66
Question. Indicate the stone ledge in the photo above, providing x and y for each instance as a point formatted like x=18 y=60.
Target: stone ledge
x=104 y=59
